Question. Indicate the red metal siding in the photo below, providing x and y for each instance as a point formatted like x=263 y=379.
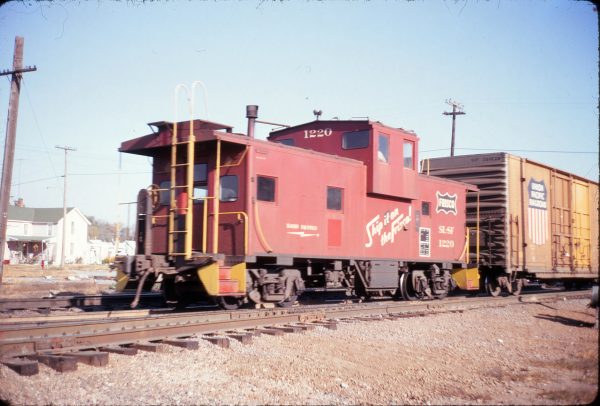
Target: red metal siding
x=368 y=226
x=389 y=178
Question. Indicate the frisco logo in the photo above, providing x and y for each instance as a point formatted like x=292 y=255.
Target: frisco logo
x=446 y=203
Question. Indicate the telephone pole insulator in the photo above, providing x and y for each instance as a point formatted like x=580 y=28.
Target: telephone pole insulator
x=456 y=111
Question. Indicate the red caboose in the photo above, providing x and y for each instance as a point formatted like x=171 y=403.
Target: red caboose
x=323 y=206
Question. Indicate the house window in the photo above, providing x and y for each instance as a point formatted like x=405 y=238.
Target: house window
x=425 y=206
x=408 y=154
x=384 y=148
x=72 y=248
x=165 y=192
x=265 y=189
x=355 y=139
x=334 y=198
x=228 y=188
x=49 y=229
x=72 y=227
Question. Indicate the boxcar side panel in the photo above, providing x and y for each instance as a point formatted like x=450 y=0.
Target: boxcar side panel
x=529 y=200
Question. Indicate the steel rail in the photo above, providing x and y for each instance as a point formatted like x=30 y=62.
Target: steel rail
x=56 y=337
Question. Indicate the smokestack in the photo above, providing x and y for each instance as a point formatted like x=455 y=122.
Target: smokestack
x=251 y=115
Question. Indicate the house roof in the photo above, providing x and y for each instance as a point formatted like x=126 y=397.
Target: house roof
x=27 y=238
x=36 y=215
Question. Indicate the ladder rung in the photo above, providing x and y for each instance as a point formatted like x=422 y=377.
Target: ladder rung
x=178 y=253
x=173 y=166
x=178 y=186
x=177 y=231
x=172 y=209
x=181 y=143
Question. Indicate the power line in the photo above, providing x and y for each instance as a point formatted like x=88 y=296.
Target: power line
x=80 y=174
x=37 y=124
x=515 y=150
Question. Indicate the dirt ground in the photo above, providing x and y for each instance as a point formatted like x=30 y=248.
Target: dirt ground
x=33 y=281
x=529 y=353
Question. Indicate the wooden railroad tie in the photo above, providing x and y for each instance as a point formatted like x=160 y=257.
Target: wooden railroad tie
x=150 y=347
x=187 y=344
x=24 y=367
x=222 y=342
x=122 y=350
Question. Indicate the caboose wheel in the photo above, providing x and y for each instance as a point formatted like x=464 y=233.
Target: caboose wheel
x=406 y=288
x=289 y=302
x=230 y=302
x=492 y=286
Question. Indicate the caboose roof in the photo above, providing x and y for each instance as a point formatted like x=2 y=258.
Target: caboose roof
x=204 y=131
x=348 y=125
x=161 y=137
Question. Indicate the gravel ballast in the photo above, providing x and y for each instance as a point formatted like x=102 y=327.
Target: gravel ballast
x=530 y=353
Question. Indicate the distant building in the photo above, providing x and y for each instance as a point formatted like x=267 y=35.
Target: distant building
x=102 y=251
x=34 y=234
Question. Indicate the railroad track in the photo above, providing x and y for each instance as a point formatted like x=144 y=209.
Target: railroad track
x=84 y=302
x=61 y=343
x=115 y=301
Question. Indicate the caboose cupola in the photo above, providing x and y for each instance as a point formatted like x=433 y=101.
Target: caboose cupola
x=390 y=154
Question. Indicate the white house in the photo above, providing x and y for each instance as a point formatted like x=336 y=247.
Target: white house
x=100 y=251
x=33 y=234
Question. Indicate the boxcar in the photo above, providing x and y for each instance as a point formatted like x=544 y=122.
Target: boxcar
x=535 y=221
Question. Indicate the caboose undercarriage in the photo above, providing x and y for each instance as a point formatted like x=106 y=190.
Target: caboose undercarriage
x=280 y=280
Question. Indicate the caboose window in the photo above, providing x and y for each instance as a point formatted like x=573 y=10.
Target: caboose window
x=165 y=192
x=383 y=151
x=200 y=183
x=200 y=171
x=200 y=192
x=408 y=154
x=265 y=189
x=228 y=188
x=425 y=208
x=334 y=198
x=355 y=139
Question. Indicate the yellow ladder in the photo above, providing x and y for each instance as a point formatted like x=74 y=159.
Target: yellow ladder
x=175 y=229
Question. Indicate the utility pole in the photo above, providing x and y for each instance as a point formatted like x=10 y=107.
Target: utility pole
x=11 y=135
x=64 y=231
x=456 y=111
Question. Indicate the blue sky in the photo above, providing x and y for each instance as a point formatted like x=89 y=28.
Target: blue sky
x=525 y=71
